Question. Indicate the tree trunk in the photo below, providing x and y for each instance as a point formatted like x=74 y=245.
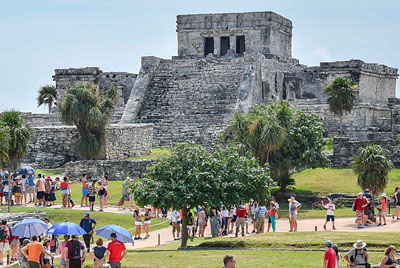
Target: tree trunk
x=184 y=237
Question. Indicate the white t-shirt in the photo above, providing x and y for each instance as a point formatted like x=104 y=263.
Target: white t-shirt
x=330 y=209
x=23 y=183
x=276 y=205
x=225 y=213
x=175 y=216
x=233 y=211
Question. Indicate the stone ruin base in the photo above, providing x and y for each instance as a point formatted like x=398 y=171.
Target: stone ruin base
x=13 y=218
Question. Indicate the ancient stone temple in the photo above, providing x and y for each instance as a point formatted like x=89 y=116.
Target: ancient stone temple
x=229 y=62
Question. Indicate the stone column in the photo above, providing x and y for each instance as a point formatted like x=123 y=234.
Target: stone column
x=232 y=40
x=217 y=45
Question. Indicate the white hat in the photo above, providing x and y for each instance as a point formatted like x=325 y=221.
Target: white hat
x=359 y=244
x=384 y=195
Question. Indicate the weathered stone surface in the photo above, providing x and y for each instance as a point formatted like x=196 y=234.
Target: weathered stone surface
x=53 y=146
x=114 y=169
x=13 y=218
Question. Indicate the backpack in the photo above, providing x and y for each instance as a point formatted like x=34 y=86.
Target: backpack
x=75 y=250
x=353 y=258
x=3 y=233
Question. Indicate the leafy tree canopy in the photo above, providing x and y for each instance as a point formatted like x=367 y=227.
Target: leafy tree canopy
x=191 y=176
x=89 y=112
x=372 y=166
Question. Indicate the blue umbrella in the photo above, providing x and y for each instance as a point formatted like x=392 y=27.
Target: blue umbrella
x=123 y=235
x=29 y=227
x=24 y=170
x=66 y=228
x=3 y=174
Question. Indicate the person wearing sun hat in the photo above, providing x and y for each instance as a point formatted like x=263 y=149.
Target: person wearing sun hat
x=294 y=206
x=330 y=212
x=382 y=208
x=357 y=257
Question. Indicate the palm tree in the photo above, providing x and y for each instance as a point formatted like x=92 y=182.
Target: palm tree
x=47 y=95
x=83 y=107
x=4 y=145
x=19 y=136
x=372 y=166
x=341 y=97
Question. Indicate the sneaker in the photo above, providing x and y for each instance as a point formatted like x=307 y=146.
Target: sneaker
x=384 y=224
x=379 y=224
x=324 y=227
x=72 y=205
x=253 y=231
x=366 y=224
x=231 y=231
x=334 y=228
x=236 y=235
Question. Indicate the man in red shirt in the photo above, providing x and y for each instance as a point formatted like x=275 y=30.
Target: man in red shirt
x=240 y=221
x=358 y=206
x=116 y=248
x=330 y=256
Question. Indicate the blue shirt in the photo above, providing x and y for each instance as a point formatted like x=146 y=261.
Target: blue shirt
x=261 y=211
x=87 y=225
x=31 y=181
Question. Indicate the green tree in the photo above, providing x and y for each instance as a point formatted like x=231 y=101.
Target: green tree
x=191 y=176
x=4 y=145
x=372 y=166
x=47 y=96
x=341 y=97
x=285 y=138
x=19 y=136
x=89 y=112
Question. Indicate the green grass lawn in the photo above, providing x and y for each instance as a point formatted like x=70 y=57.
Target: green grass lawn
x=155 y=154
x=51 y=172
x=334 y=180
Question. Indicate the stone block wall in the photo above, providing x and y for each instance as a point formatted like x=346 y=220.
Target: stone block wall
x=114 y=169
x=38 y=120
x=53 y=146
x=13 y=218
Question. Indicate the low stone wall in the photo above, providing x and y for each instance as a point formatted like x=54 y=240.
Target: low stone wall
x=114 y=169
x=38 y=120
x=12 y=218
x=53 y=146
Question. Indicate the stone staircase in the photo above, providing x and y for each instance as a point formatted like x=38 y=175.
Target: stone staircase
x=191 y=100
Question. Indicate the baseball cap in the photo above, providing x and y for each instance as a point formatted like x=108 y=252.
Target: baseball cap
x=328 y=243
x=86 y=214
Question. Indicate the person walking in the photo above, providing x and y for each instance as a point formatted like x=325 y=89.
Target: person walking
x=240 y=220
x=272 y=216
x=32 y=252
x=85 y=190
x=138 y=223
x=106 y=194
x=261 y=211
x=175 y=222
x=202 y=222
x=61 y=252
x=72 y=252
x=4 y=240
x=92 y=191
x=31 y=188
x=225 y=220
x=64 y=191
x=88 y=224
x=101 y=194
x=358 y=206
x=24 y=183
x=215 y=222
x=46 y=258
x=389 y=258
x=229 y=261
x=117 y=251
x=357 y=257
x=99 y=254
x=397 y=202
x=330 y=212
x=40 y=190
x=329 y=256
x=382 y=208
x=18 y=191
x=125 y=194
x=147 y=221
x=294 y=206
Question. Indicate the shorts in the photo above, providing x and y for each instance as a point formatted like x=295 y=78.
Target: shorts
x=64 y=191
x=138 y=223
x=98 y=264
x=293 y=215
x=46 y=261
x=114 y=264
x=260 y=224
x=126 y=197
x=101 y=196
x=63 y=262
x=366 y=211
x=189 y=227
x=31 y=189
x=4 y=246
x=40 y=195
x=5 y=194
x=330 y=218
x=234 y=218
x=359 y=214
x=240 y=222
x=85 y=191
x=17 y=194
x=105 y=193
x=1 y=194
x=14 y=243
x=147 y=222
x=382 y=212
x=92 y=198
x=53 y=196
x=176 y=226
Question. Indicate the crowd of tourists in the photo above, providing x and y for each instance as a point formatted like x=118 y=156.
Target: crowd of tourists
x=39 y=251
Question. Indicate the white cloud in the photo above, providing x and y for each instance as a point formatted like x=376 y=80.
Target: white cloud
x=321 y=54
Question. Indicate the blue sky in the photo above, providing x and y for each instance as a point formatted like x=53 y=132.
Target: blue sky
x=38 y=36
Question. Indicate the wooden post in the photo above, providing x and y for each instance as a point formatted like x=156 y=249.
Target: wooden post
x=159 y=239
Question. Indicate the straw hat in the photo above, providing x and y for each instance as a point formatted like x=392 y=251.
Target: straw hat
x=292 y=199
x=384 y=195
x=359 y=244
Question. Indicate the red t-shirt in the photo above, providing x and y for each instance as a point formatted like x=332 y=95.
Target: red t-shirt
x=330 y=255
x=116 y=247
x=64 y=185
x=360 y=202
x=241 y=212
